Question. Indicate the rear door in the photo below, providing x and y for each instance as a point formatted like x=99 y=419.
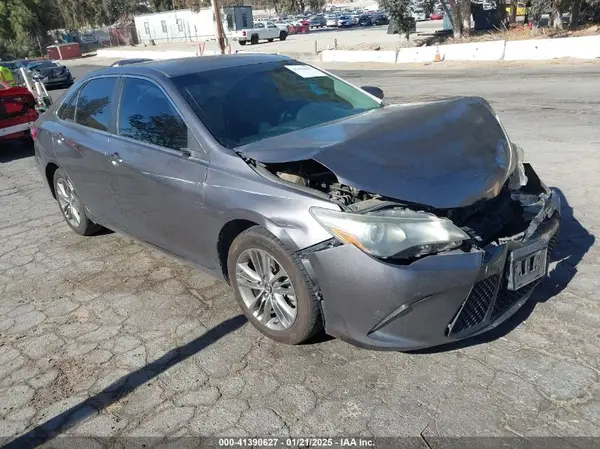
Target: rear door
x=158 y=172
x=81 y=140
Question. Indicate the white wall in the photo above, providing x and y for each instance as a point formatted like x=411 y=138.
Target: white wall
x=179 y=26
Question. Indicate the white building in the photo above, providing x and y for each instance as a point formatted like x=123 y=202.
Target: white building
x=185 y=25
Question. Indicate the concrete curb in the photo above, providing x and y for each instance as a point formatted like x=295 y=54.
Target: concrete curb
x=587 y=47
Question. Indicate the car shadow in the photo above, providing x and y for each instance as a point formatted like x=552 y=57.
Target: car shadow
x=122 y=387
x=573 y=243
x=12 y=150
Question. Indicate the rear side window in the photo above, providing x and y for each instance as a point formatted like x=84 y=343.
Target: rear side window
x=67 y=110
x=94 y=103
x=148 y=116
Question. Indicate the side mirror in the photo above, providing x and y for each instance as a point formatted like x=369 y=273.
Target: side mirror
x=375 y=91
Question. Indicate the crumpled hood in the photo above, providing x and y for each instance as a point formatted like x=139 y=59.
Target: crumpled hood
x=443 y=154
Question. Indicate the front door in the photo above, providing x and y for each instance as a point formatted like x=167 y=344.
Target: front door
x=272 y=30
x=158 y=171
x=81 y=140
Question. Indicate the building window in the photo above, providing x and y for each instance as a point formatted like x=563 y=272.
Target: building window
x=230 y=21
x=244 y=20
x=147 y=27
x=164 y=26
x=180 y=25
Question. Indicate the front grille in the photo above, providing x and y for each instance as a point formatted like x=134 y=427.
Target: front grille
x=508 y=298
x=477 y=304
x=475 y=308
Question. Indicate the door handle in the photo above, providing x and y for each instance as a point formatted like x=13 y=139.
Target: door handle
x=115 y=159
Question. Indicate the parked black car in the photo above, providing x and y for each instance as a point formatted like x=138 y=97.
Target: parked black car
x=365 y=20
x=380 y=19
x=51 y=74
x=318 y=22
x=391 y=226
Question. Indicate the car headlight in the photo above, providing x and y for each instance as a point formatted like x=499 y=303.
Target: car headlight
x=399 y=233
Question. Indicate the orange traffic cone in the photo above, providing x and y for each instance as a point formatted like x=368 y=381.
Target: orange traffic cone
x=437 y=58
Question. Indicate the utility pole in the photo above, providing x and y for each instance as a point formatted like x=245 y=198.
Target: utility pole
x=220 y=34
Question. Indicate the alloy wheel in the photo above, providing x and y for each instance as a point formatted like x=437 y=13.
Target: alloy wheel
x=68 y=201
x=266 y=289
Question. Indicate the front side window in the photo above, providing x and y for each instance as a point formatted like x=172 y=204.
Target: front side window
x=247 y=103
x=147 y=115
x=260 y=25
x=94 y=103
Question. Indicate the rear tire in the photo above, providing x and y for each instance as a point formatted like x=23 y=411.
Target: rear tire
x=71 y=207
x=254 y=39
x=282 y=36
x=282 y=267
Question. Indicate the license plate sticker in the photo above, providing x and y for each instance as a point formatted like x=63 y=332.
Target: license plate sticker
x=526 y=266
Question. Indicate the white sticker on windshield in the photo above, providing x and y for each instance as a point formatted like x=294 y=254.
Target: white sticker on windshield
x=305 y=71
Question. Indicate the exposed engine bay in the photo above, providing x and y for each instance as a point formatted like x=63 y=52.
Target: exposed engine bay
x=310 y=173
x=513 y=214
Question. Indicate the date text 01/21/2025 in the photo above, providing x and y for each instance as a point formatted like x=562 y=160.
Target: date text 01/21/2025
x=296 y=442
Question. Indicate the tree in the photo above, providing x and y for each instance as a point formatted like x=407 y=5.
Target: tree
x=575 y=10
x=465 y=15
x=556 y=15
x=24 y=25
x=429 y=6
x=400 y=14
x=161 y=5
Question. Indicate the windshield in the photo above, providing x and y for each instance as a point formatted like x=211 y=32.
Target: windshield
x=248 y=103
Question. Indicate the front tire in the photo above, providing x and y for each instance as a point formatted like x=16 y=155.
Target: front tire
x=242 y=42
x=272 y=287
x=71 y=206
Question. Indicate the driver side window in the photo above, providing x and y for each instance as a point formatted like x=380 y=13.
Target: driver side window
x=148 y=116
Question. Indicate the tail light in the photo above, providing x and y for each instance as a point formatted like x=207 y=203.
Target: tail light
x=243 y=33
x=34 y=132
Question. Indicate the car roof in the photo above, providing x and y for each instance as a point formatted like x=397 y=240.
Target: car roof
x=184 y=66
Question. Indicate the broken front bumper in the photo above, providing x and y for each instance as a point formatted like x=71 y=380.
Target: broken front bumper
x=436 y=300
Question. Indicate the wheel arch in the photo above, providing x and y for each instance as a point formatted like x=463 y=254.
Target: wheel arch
x=51 y=168
x=236 y=223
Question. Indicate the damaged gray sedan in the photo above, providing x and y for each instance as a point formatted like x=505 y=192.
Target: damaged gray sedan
x=389 y=226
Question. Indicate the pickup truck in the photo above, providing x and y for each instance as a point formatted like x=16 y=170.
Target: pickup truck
x=262 y=31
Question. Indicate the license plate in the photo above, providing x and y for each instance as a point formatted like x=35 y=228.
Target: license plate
x=527 y=265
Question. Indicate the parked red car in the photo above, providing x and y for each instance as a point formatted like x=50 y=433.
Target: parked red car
x=17 y=112
x=436 y=16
